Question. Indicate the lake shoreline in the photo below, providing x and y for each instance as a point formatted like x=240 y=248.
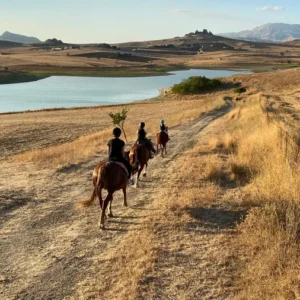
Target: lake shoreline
x=158 y=98
x=144 y=92
x=15 y=76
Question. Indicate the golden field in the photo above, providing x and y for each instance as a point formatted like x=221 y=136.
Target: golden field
x=217 y=218
x=148 y=57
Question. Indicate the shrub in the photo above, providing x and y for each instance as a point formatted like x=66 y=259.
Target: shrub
x=119 y=119
x=196 y=85
x=240 y=90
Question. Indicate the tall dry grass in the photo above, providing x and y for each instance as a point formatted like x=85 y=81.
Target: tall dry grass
x=270 y=235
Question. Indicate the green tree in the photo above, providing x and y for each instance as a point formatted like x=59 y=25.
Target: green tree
x=119 y=118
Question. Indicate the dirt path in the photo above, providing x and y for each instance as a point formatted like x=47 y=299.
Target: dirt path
x=48 y=247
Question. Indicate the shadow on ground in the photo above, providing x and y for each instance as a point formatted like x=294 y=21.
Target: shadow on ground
x=13 y=200
x=221 y=218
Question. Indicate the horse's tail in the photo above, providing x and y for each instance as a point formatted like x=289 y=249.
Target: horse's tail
x=99 y=173
x=157 y=138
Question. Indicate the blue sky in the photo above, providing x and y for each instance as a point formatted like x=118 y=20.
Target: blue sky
x=84 y=21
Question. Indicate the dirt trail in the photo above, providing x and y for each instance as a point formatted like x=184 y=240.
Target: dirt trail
x=48 y=247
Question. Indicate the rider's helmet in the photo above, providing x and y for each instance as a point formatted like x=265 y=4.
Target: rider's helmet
x=117 y=132
x=162 y=121
x=142 y=124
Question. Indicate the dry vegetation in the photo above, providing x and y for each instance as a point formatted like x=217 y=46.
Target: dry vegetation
x=223 y=209
x=264 y=164
x=67 y=153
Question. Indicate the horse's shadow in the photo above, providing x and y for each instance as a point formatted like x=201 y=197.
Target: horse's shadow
x=111 y=220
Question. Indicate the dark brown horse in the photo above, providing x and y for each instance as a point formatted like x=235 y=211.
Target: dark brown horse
x=138 y=157
x=161 y=141
x=111 y=177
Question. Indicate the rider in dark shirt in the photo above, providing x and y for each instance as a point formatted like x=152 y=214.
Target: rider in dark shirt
x=163 y=127
x=116 y=151
x=141 y=136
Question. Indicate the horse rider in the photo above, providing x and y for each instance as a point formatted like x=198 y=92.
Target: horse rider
x=164 y=128
x=116 y=152
x=141 y=137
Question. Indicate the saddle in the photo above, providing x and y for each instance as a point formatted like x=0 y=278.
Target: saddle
x=119 y=163
x=140 y=143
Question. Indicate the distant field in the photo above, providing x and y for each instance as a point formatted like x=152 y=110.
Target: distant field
x=150 y=57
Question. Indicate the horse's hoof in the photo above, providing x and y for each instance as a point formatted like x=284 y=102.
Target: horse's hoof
x=144 y=175
x=125 y=204
x=110 y=215
x=102 y=227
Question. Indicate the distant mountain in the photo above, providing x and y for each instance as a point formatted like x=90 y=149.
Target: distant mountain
x=272 y=32
x=18 y=38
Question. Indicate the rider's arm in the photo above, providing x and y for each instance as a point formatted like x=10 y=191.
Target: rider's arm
x=123 y=152
x=108 y=148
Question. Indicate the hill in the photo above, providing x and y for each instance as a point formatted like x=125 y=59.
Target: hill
x=18 y=38
x=8 y=44
x=272 y=32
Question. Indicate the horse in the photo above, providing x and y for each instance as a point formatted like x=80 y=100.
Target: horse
x=111 y=176
x=138 y=157
x=161 y=141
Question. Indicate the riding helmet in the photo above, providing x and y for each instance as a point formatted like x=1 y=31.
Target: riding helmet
x=117 y=132
x=142 y=124
x=162 y=121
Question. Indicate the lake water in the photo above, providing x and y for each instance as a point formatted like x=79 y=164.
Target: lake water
x=71 y=91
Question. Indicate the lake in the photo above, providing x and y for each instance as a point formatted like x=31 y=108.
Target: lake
x=71 y=91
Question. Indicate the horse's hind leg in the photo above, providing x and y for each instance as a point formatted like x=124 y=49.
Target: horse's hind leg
x=110 y=214
x=105 y=203
x=125 y=196
x=138 y=173
x=145 y=170
x=99 y=193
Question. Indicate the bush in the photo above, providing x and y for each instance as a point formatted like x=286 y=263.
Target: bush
x=196 y=85
x=240 y=90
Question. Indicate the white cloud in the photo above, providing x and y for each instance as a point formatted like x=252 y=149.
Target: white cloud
x=271 y=8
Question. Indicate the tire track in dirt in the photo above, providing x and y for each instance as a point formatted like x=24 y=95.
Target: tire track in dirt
x=49 y=247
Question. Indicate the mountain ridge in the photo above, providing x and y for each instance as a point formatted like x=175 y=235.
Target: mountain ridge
x=18 y=38
x=270 y=32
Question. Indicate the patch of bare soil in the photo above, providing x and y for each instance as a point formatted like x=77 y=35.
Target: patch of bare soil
x=52 y=250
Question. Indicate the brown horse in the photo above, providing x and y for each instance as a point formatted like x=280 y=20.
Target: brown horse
x=161 y=140
x=111 y=177
x=138 y=157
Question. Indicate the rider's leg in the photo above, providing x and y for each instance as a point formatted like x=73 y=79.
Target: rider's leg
x=129 y=169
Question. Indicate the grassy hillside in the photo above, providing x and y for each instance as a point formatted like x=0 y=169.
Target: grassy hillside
x=217 y=218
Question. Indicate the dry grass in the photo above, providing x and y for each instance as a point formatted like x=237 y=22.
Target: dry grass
x=269 y=178
x=215 y=172
x=227 y=144
x=66 y=154
x=87 y=146
x=269 y=237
